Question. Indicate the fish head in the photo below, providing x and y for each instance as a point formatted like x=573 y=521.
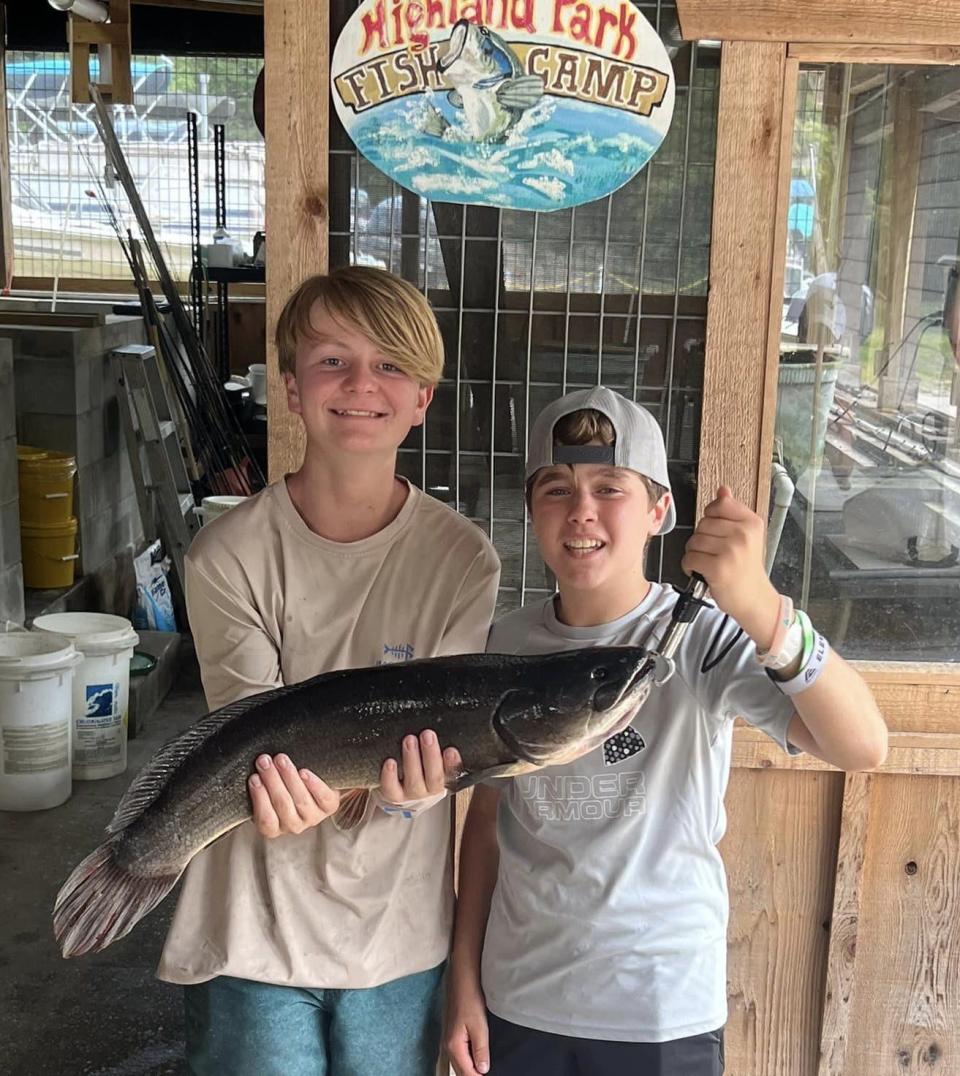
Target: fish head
x=583 y=698
x=476 y=58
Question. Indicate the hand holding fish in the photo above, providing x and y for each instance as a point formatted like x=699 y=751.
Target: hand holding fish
x=287 y=800
x=427 y=770
x=727 y=549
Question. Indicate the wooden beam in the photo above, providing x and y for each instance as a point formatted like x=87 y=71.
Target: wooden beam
x=917 y=753
x=901 y=165
x=841 y=982
x=902 y=22
x=746 y=269
x=113 y=43
x=6 y=217
x=807 y=52
x=296 y=109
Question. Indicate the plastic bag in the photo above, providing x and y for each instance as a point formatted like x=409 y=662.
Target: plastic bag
x=154 y=611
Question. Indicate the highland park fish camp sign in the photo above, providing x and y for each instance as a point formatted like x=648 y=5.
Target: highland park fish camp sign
x=522 y=104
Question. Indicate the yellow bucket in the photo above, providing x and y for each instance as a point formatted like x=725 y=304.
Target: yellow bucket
x=49 y=559
x=46 y=485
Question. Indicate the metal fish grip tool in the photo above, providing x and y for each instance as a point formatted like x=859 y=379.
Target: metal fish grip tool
x=690 y=601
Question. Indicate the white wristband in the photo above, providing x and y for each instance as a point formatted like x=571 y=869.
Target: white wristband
x=810 y=673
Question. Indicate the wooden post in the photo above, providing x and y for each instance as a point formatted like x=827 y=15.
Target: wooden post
x=6 y=218
x=754 y=139
x=903 y=162
x=296 y=120
x=113 y=46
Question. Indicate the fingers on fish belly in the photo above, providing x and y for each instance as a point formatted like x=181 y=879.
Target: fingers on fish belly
x=101 y=901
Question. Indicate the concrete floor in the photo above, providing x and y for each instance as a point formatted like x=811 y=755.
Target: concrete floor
x=100 y=1015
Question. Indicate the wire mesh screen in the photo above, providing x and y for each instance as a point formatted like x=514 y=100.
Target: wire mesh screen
x=532 y=305
x=58 y=180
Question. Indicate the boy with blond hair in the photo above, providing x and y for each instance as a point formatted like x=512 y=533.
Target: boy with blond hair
x=591 y=925
x=321 y=952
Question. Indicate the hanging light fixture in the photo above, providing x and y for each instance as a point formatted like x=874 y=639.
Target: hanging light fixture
x=91 y=10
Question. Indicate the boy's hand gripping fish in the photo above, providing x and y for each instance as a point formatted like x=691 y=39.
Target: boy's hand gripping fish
x=505 y=714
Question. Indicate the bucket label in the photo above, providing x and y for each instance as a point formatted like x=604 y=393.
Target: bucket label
x=100 y=699
x=99 y=733
x=36 y=748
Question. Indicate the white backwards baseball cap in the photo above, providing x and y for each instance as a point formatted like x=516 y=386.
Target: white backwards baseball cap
x=638 y=442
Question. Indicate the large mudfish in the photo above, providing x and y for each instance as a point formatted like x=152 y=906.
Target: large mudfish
x=489 y=83
x=505 y=714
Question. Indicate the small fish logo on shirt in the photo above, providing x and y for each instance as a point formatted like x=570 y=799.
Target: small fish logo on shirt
x=394 y=654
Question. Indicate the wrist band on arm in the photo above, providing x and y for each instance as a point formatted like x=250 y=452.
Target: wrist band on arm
x=769 y=657
x=812 y=665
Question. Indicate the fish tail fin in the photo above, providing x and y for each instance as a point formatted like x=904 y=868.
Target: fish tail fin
x=101 y=901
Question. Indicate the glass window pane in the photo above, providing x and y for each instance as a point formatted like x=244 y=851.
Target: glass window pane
x=866 y=481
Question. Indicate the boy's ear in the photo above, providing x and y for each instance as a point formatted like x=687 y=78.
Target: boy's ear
x=293 y=393
x=658 y=512
x=424 y=396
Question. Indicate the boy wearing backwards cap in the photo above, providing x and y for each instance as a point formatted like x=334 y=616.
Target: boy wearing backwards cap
x=591 y=925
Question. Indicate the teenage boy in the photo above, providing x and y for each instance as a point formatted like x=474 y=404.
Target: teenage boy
x=591 y=924
x=321 y=952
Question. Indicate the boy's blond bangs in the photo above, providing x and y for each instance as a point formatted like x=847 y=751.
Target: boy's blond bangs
x=391 y=313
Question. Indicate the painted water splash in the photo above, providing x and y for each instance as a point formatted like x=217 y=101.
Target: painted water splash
x=560 y=153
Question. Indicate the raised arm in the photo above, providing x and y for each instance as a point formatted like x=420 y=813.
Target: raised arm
x=836 y=717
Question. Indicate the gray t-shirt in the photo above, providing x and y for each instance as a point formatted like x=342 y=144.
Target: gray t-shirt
x=609 y=916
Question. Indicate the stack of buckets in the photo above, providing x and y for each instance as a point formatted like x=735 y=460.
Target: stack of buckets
x=64 y=700
x=48 y=528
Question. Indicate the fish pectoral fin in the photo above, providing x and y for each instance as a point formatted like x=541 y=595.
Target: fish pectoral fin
x=353 y=806
x=455 y=98
x=520 y=93
x=508 y=769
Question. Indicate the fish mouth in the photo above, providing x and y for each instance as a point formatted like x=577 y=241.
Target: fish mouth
x=611 y=694
x=455 y=46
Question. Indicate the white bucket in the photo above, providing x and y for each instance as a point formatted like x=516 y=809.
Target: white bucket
x=257 y=373
x=101 y=689
x=211 y=507
x=36 y=680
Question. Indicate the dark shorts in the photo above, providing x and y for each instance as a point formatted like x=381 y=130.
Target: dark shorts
x=521 y=1051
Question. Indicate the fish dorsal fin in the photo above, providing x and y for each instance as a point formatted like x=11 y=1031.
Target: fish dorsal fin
x=149 y=782
x=353 y=806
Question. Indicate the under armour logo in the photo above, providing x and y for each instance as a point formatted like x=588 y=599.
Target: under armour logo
x=624 y=745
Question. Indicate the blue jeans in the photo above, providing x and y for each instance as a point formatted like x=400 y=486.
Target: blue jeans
x=235 y=1027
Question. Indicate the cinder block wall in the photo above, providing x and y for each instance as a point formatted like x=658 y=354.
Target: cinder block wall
x=66 y=399
x=11 y=572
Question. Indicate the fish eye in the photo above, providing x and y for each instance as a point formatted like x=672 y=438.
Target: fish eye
x=599 y=673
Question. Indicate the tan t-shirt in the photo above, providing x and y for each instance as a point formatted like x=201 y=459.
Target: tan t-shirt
x=271 y=602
